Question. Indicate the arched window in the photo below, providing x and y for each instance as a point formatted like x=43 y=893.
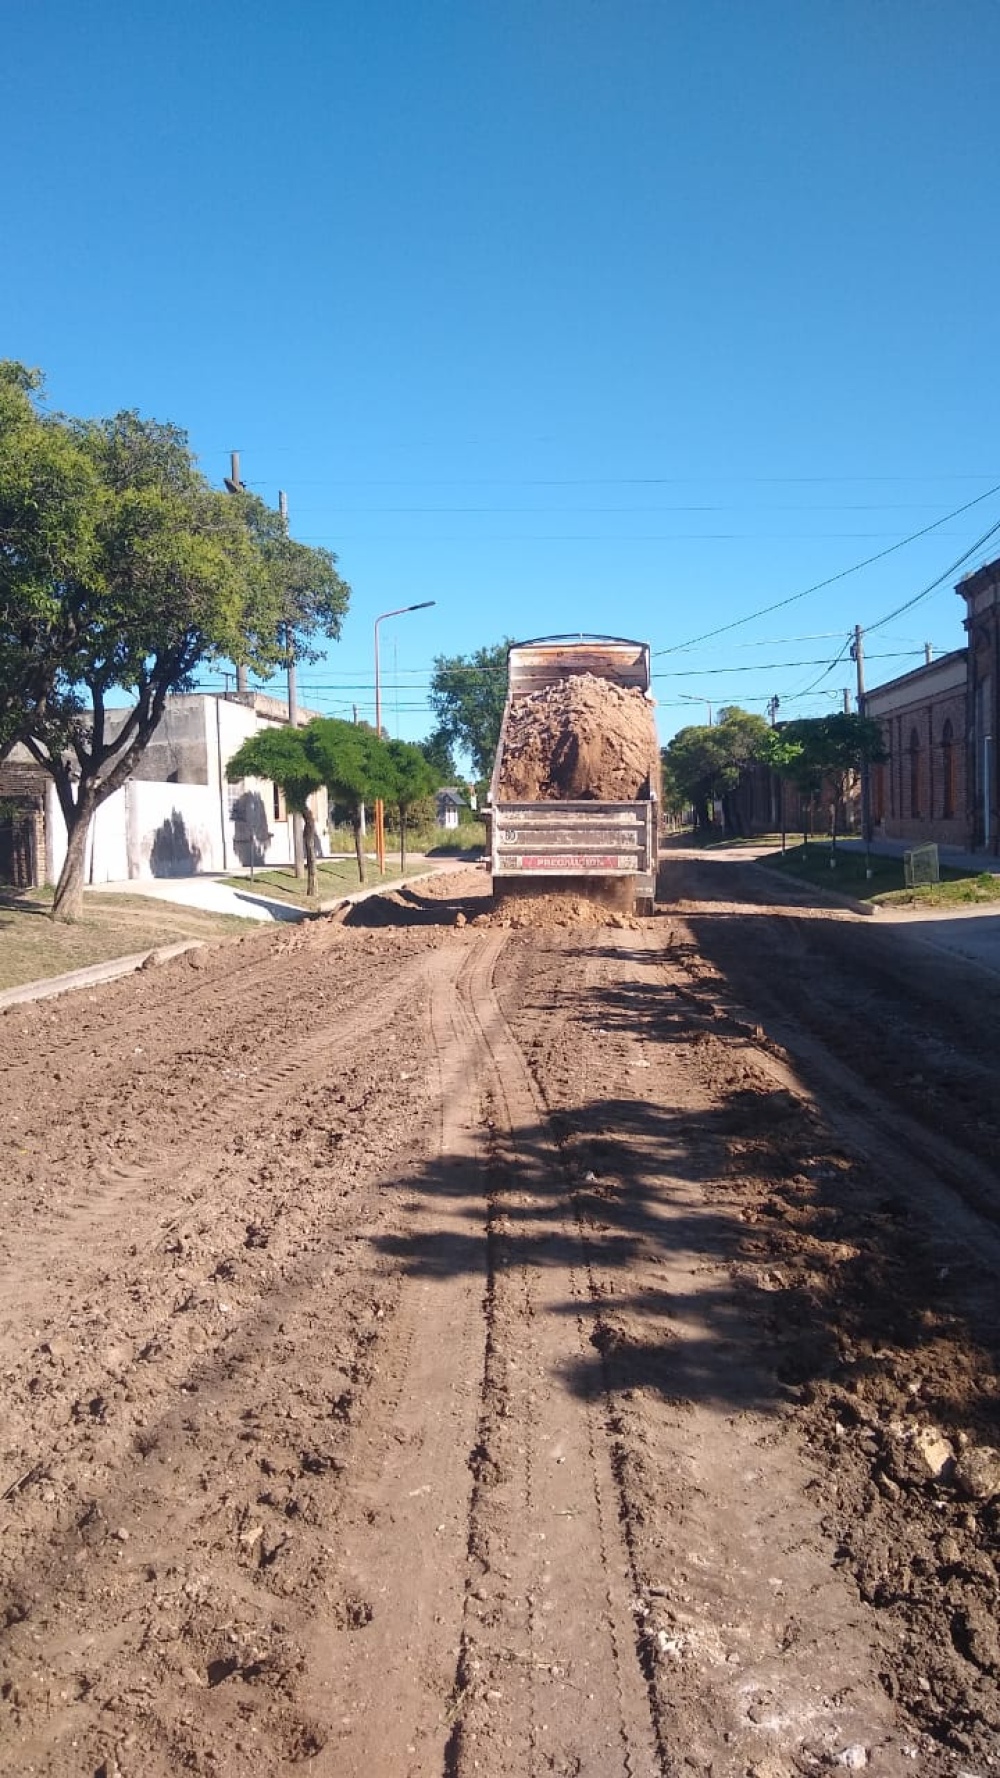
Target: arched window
x=914 y=752
x=948 y=762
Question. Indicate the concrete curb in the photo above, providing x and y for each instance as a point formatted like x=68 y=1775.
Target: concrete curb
x=93 y=975
x=832 y=895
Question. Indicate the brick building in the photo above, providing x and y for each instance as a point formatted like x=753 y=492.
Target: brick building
x=920 y=793
x=981 y=592
x=942 y=727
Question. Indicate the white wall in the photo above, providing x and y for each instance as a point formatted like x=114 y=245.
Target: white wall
x=152 y=828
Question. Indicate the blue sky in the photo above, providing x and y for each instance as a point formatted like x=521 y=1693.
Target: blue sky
x=631 y=318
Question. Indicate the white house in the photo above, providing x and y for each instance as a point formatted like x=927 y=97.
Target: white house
x=178 y=815
x=447 y=803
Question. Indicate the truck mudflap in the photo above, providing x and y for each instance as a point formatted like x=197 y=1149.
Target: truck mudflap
x=554 y=839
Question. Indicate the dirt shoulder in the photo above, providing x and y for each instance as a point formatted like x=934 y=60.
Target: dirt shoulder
x=435 y=1346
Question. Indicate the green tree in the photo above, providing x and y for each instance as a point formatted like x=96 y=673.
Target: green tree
x=437 y=750
x=703 y=765
x=308 y=598
x=411 y=778
x=127 y=570
x=830 y=750
x=352 y=761
x=47 y=524
x=280 y=755
x=171 y=580
x=467 y=697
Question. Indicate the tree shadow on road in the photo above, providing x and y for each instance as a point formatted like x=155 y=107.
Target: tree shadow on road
x=637 y=1210
x=738 y=1256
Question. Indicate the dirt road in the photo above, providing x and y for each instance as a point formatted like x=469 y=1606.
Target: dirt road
x=435 y=1345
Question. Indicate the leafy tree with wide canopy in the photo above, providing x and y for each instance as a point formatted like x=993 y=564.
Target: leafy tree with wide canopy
x=467 y=696
x=311 y=598
x=132 y=571
x=48 y=489
x=279 y=754
x=437 y=750
x=703 y=765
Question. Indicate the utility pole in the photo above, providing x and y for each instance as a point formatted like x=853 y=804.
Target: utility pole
x=298 y=845
x=379 y=811
x=847 y=700
x=858 y=653
x=777 y=788
x=234 y=485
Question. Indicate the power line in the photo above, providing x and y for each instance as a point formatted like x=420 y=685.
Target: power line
x=909 y=604
x=780 y=604
x=714 y=506
x=604 y=481
x=827 y=671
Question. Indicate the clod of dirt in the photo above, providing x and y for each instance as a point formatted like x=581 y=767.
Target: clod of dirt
x=935 y=1452
x=583 y=739
x=977 y=1473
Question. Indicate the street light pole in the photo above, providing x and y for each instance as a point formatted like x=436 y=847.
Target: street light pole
x=400 y=611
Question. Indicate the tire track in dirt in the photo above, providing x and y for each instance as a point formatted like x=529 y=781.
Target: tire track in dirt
x=757 y=1654
x=957 y=1192
x=549 y=1677
x=65 y=1227
x=108 y=1033
x=388 y=1676
x=180 y=1401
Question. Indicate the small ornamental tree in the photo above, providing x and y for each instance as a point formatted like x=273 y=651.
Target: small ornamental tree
x=830 y=750
x=411 y=779
x=352 y=762
x=279 y=754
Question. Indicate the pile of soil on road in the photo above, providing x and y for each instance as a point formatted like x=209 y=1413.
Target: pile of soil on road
x=543 y=912
x=583 y=739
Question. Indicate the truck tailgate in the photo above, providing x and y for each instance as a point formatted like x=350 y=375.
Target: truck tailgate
x=574 y=840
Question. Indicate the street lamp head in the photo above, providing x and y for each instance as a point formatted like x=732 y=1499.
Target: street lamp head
x=401 y=610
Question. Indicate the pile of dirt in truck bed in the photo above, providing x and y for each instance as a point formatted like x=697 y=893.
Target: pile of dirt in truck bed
x=583 y=739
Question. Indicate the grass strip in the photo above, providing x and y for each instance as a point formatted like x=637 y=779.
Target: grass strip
x=34 y=948
x=845 y=872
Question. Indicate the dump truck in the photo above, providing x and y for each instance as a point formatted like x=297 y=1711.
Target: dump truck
x=574 y=797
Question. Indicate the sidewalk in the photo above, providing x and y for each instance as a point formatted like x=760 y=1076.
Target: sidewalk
x=216 y=895
x=972 y=933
